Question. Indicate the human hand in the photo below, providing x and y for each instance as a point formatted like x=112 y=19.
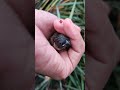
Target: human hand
x=102 y=45
x=48 y=61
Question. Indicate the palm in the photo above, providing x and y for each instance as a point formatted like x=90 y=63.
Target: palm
x=48 y=60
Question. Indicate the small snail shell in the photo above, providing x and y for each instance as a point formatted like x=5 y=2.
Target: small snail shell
x=60 y=41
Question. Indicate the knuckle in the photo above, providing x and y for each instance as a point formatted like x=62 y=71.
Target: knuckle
x=83 y=46
x=76 y=34
x=79 y=29
x=63 y=75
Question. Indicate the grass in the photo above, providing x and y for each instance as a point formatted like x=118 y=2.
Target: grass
x=75 y=10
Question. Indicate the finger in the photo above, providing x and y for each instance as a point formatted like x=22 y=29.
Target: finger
x=69 y=29
x=72 y=57
x=44 y=21
x=58 y=25
x=47 y=59
x=40 y=39
x=78 y=45
x=76 y=38
x=77 y=28
x=41 y=45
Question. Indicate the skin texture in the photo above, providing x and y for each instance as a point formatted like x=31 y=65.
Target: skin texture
x=47 y=60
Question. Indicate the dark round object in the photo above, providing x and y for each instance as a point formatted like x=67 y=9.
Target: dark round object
x=60 y=41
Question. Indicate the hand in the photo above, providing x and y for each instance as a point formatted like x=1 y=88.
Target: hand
x=48 y=61
x=102 y=50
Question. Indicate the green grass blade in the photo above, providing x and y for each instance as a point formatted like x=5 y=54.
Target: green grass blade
x=41 y=85
x=71 y=3
x=60 y=85
x=44 y=4
x=80 y=70
x=73 y=80
x=71 y=88
x=58 y=12
x=72 y=11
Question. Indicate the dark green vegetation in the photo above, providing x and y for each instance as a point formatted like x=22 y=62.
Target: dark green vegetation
x=75 y=10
